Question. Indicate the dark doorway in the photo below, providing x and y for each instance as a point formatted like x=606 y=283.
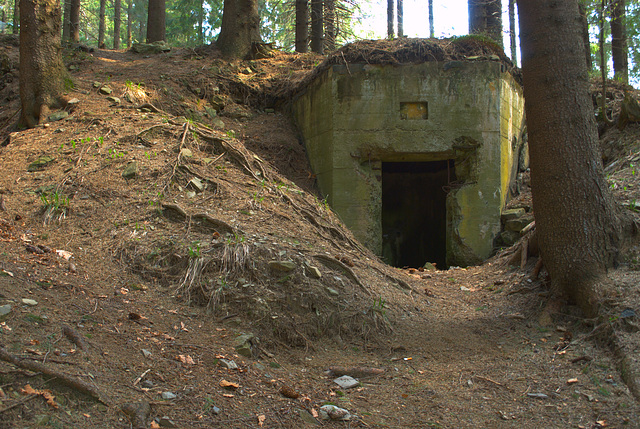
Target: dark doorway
x=414 y=215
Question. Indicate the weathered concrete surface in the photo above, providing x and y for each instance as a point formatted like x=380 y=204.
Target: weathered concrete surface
x=355 y=117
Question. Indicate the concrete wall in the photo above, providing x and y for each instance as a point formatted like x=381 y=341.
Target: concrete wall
x=355 y=117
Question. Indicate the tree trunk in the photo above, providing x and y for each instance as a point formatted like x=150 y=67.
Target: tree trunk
x=576 y=219
x=201 y=22
x=317 y=27
x=16 y=16
x=129 y=23
x=485 y=18
x=584 y=23
x=4 y=19
x=302 y=25
x=156 y=21
x=240 y=28
x=432 y=31
x=103 y=5
x=117 y=22
x=390 y=15
x=512 y=32
x=66 y=35
x=42 y=71
x=330 y=24
x=619 y=50
x=400 y=18
x=74 y=21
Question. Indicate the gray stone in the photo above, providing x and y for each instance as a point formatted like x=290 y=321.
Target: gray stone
x=284 y=266
x=56 y=116
x=512 y=214
x=146 y=353
x=151 y=48
x=186 y=152
x=40 y=163
x=242 y=344
x=97 y=84
x=168 y=396
x=147 y=384
x=217 y=123
x=114 y=100
x=229 y=364
x=307 y=417
x=509 y=238
x=314 y=272
x=332 y=412
x=332 y=292
x=196 y=184
x=4 y=310
x=31 y=302
x=211 y=112
x=346 y=382
x=131 y=170
x=73 y=102
x=166 y=422
x=215 y=410
x=105 y=90
x=517 y=225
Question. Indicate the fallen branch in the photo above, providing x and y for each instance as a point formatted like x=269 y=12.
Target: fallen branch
x=65 y=379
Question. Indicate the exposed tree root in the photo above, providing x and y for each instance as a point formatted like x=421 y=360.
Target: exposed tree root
x=334 y=263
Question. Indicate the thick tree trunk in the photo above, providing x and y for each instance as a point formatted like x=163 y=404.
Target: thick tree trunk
x=201 y=22
x=42 y=71
x=74 y=21
x=156 y=21
x=302 y=25
x=512 y=32
x=584 y=23
x=619 y=50
x=240 y=28
x=16 y=16
x=400 y=18
x=330 y=24
x=117 y=22
x=576 y=219
x=103 y=5
x=485 y=18
x=129 y=23
x=390 y=14
x=317 y=27
x=432 y=31
x=66 y=34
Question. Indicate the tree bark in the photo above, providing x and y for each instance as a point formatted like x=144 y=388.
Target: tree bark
x=584 y=23
x=156 y=21
x=16 y=16
x=42 y=71
x=390 y=14
x=485 y=18
x=302 y=25
x=129 y=23
x=330 y=24
x=66 y=35
x=619 y=50
x=240 y=28
x=400 y=18
x=74 y=21
x=432 y=31
x=117 y=22
x=512 y=32
x=103 y=5
x=576 y=219
x=317 y=27
x=201 y=22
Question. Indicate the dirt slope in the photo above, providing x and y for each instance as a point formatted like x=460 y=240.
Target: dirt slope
x=128 y=289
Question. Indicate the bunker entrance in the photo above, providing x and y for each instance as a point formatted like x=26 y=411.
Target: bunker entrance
x=414 y=214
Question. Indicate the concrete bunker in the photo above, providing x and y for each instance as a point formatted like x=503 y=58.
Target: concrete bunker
x=416 y=158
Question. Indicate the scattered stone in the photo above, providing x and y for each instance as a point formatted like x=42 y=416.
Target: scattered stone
x=512 y=214
x=229 y=364
x=73 y=102
x=518 y=224
x=215 y=410
x=73 y=67
x=97 y=84
x=331 y=412
x=146 y=353
x=31 y=302
x=465 y=289
x=509 y=238
x=346 y=382
x=196 y=184
x=217 y=123
x=211 y=112
x=284 y=266
x=429 y=266
x=242 y=344
x=105 y=90
x=5 y=310
x=114 y=100
x=537 y=395
x=627 y=313
x=314 y=272
x=332 y=292
x=56 y=116
x=166 y=422
x=147 y=384
x=217 y=102
x=269 y=110
x=131 y=170
x=40 y=163
x=168 y=396
x=307 y=417
x=150 y=48
x=186 y=152
x=72 y=268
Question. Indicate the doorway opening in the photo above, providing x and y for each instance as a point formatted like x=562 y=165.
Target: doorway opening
x=414 y=214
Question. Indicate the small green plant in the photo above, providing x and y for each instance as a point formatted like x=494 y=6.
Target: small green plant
x=194 y=250
x=379 y=305
x=231 y=134
x=56 y=206
x=633 y=206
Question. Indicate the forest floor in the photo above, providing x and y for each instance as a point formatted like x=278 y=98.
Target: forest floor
x=213 y=287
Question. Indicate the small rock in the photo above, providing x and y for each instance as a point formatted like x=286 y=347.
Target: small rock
x=186 y=152
x=269 y=110
x=215 y=410
x=72 y=268
x=97 y=84
x=242 y=344
x=105 y=90
x=73 y=102
x=465 y=289
x=314 y=272
x=114 y=100
x=346 y=382
x=31 y=302
x=331 y=412
x=168 y=396
x=4 y=310
x=56 y=116
x=211 y=112
x=196 y=184
x=146 y=353
x=217 y=123
x=307 y=417
x=537 y=395
x=512 y=214
x=166 y=422
x=229 y=364
x=284 y=266
x=333 y=292
x=40 y=163
x=131 y=170
x=429 y=266
x=147 y=384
